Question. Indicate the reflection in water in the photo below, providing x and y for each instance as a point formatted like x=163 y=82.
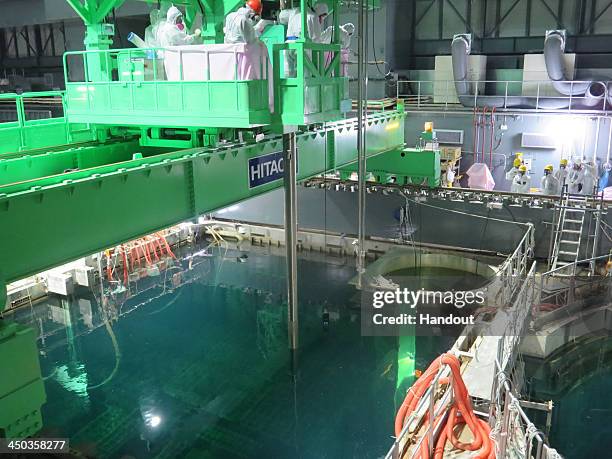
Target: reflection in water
x=577 y=378
x=194 y=363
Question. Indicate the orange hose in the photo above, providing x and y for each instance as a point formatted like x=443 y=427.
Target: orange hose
x=461 y=412
x=125 y=265
x=168 y=249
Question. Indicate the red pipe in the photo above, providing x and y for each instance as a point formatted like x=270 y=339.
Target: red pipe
x=474 y=134
x=483 y=124
x=492 y=137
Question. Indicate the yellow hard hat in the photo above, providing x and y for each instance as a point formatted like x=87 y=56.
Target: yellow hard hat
x=549 y=168
x=428 y=126
x=564 y=162
x=517 y=162
x=523 y=168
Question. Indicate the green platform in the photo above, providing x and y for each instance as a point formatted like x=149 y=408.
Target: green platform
x=24 y=133
x=22 y=390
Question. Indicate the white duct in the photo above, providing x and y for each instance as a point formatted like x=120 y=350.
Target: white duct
x=593 y=94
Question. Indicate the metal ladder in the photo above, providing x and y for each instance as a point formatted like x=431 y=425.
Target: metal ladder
x=568 y=235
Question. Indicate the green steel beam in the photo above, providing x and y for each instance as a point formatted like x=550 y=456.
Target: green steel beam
x=26 y=167
x=52 y=220
x=406 y=165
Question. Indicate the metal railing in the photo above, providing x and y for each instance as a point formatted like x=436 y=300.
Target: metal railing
x=558 y=287
x=518 y=315
x=433 y=403
x=515 y=268
x=137 y=65
x=441 y=95
x=514 y=434
x=519 y=293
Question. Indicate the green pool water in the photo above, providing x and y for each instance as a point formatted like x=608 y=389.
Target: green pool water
x=437 y=278
x=203 y=370
x=578 y=380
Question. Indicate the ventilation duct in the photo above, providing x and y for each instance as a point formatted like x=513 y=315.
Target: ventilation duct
x=593 y=95
x=554 y=49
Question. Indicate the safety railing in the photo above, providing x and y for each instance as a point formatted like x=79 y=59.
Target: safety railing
x=515 y=268
x=189 y=63
x=519 y=294
x=515 y=95
x=518 y=315
x=432 y=404
x=514 y=434
x=37 y=120
x=308 y=82
x=558 y=287
x=193 y=86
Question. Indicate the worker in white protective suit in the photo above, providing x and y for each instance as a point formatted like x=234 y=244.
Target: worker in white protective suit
x=589 y=179
x=172 y=31
x=575 y=178
x=514 y=171
x=550 y=184
x=561 y=174
x=345 y=35
x=151 y=30
x=240 y=25
x=521 y=182
x=315 y=17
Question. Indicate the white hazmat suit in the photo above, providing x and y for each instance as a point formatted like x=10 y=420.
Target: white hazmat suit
x=575 y=178
x=561 y=175
x=521 y=183
x=172 y=31
x=512 y=173
x=239 y=26
x=589 y=179
x=550 y=185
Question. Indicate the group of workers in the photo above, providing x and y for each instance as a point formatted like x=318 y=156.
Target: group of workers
x=245 y=25
x=580 y=179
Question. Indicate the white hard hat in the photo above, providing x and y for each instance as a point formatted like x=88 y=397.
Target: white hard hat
x=173 y=14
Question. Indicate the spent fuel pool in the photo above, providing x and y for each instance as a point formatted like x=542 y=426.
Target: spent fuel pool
x=194 y=363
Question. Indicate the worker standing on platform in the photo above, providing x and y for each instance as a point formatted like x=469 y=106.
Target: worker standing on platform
x=172 y=31
x=550 y=184
x=514 y=171
x=589 y=178
x=561 y=174
x=239 y=25
x=315 y=18
x=521 y=182
x=575 y=178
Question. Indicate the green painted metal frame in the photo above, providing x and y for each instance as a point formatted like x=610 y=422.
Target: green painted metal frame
x=159 y=102
x=105 y=96
x=24 y=134
x=22 y=389
x=32 y=167
x=110 y=204
x=403 y=166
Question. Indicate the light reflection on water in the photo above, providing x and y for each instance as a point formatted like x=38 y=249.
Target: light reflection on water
x=194 y=363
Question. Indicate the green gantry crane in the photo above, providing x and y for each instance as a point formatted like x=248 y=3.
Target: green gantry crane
x=155 y=152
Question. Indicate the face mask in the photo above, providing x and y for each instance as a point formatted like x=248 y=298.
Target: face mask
x=180 y=26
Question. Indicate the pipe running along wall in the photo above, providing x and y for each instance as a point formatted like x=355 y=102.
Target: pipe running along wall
x=554 y=50
x=592 y=97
